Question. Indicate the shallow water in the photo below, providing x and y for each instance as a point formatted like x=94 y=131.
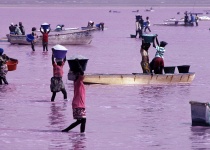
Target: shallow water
x=118 y=117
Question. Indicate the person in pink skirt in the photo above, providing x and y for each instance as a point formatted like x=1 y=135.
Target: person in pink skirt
x=78 y=103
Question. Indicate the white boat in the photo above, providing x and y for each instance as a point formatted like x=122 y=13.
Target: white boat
x=200 y=113
x=204 y=18
x=136 y=78
x=64 y=38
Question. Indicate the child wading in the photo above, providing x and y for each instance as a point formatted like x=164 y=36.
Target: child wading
x=45 y=38
x=57 y=84
x=78 y=103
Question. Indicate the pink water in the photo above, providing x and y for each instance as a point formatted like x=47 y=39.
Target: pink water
x=150 y=117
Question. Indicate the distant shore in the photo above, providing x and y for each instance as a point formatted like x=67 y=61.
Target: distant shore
x=105 y=5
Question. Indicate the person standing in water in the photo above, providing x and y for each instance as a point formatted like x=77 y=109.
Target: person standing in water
x=45 y=38
x=57 y=84
x=33 y=41
x=145 y=57
x=147 y=25
x=78 y=103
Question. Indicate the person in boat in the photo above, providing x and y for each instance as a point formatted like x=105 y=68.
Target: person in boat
x=3 y=66
x=196 y=19
x=59 y=27
x=157 y=64
x=57 y=84
x=12 y=28
x=33 y=41
x=45 y=34
x=17 y=30
x=145 y=57
x=21 y=27
x=78 y=102
x=147 y=25
x=90 y=23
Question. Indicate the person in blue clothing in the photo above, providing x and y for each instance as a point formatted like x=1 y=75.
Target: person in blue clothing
x=157 y=64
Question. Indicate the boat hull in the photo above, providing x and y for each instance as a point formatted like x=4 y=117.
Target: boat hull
x=73 y=38
x=137 y=78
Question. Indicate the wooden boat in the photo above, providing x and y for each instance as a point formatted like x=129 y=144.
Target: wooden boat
x=63 y=38
x=136 y=78
x=200 y=113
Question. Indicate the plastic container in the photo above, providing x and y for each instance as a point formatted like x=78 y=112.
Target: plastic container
x=73 y=64
x=45 y=26
x=59 y=51
x=12 y=65
x=148 y=38
x=183 y=68
x=169 y=69
x=29 y=37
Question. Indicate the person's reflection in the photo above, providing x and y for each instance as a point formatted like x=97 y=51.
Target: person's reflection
x=199 y=137
x=78 y=141
x=56 y=116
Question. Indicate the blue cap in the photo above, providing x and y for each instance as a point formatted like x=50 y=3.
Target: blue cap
x=1 y=51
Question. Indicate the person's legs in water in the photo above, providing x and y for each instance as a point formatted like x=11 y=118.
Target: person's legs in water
x=53 y=96
x=43 y=45
x=64 y=93
x=82 y=127
x=5 y=80
x=79 y=121
x=1 y=80
x=32 y=46
x=46 y=46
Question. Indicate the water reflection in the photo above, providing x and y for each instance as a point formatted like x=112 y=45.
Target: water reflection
x=78 y=141
x=199 y=137
x=56 y=115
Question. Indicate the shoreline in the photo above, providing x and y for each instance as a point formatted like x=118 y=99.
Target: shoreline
x=99 y=6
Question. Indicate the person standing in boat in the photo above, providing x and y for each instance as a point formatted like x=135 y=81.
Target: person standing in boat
x=21 y=27
x=78 y=103
x=57 y=84
x=145 y=57
x=147 y=25
x=157 y=64
x=17 y=30
x=45 y=34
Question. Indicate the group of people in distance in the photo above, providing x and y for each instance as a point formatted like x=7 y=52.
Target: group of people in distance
x=157 y=64
x=191 y=20
x=17 y=30
x=142 y=25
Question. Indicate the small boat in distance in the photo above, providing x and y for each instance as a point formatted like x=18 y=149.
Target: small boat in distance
x=150 y=10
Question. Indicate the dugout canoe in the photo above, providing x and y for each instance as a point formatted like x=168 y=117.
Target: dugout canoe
x=137 y=78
